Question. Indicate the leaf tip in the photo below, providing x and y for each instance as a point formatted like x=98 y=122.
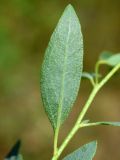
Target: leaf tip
x=70 y=7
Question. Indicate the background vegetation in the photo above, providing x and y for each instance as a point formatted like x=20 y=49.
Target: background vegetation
x=25 y=29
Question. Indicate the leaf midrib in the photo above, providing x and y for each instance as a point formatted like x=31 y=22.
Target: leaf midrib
x=62 y=84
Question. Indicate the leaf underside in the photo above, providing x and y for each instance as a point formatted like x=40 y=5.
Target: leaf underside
x=62 y=68
x=85 y=152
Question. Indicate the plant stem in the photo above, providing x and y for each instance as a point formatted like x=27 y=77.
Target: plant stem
x=84 y=110
x=54 y=158
x=93 y=124
x=97 y=71
x=77 y=124
x=56 y=141
x=92 y=82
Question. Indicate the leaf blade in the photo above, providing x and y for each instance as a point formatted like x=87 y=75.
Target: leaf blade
x=114 y=60
x=86 y=152
x=62 y=68
x=109 y=58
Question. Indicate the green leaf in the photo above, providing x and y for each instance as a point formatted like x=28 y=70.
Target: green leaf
x=114 y=60
x=86 y=152
x=88 y=75
x=18 y=157
x=107 y=123
x=110 y=59
x=105 y=55
x=14 y=152
x=62 y=68
x=85 y=121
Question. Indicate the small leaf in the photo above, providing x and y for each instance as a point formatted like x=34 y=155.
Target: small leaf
x=18 y=157
x=105 y=55
x=108 y=123
x=86 y=152
x=84 y=122
x=88 y=75
x=14 y=152
x=114 y=60
x=62 y=68
x=110 y=59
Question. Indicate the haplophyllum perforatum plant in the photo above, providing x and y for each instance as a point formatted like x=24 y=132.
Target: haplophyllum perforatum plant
x=61 y=74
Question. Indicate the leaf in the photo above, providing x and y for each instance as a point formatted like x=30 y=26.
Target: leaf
x=105 y=55
x=18 y=157
x=87 y=75
x=86 y=152
x=14 y=152
x=110 y=59
x=62 y=68
x=15 y=149
x=85 y=121
x=108 y=123
x=114 y=60
x=90 y=76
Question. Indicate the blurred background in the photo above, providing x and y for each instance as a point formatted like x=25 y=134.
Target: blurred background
x=25 y=29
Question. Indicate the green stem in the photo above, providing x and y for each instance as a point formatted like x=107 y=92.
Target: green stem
x=54 y=158
x=84 y=110
x=97 y=71
x=92 y=82
x=56 y=141
x=77 y=124
x=92 y=124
